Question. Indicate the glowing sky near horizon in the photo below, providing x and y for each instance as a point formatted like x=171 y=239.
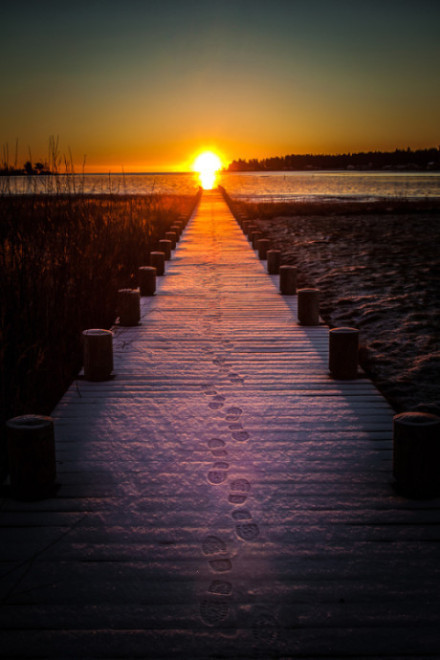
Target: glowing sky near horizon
x=144 y=85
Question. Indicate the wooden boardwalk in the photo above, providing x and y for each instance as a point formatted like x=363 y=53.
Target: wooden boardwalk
x=221 y=496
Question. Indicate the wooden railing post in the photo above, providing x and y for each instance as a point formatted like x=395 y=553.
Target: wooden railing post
x=273 y=261
x=343 y=353
x=308 y=306
x=255 y=236
x=31 y=456
x=147 y=280
x=416 y=454
x=172 y=236
x=165 y=247
x=288 y=280
x=129 y=308
x=157 y=261
x=263 y=244
x=98 y=354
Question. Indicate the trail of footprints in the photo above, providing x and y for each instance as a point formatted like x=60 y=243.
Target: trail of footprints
x=215 y=607
x=220 y=362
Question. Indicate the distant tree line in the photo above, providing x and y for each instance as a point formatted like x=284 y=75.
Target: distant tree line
x=400 y=159
x=28 y=168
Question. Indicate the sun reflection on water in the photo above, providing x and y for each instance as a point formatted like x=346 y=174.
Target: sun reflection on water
x=207 y=180
x=207 y=165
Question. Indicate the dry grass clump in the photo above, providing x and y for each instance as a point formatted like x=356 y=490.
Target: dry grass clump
x=62 y=260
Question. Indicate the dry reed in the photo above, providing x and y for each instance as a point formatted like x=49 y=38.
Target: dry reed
x=62 y=259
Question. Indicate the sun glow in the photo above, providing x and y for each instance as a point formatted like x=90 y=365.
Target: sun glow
x=207 y=165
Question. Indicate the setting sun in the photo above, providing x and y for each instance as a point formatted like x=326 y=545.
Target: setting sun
x=207 y=164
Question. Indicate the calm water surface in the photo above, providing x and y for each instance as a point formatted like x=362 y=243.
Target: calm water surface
x=303 y=186
x=268 y=186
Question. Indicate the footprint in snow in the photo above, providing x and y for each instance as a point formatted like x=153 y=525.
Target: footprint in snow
x=245 y=529
x=217 y=475
x=217 y=447
x=233 y=414
x=240 y=436
x=239 y=490
x=215 y=548
x=218 y=401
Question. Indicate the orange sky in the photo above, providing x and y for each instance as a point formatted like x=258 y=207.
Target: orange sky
x=146 y=85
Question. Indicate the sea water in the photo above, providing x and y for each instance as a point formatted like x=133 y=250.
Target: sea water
x=327 y=186
x=251 y=186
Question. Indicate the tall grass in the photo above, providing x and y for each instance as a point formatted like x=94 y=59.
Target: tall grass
x=62 y=260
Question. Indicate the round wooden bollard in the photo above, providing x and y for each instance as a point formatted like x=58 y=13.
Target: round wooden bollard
x=172 y=236
x=165 y=247
x=129 y=306
x=263 y=244
x=273 y=261
x=157 y=260
x=308 y=306
x=31 y=455
x=343 y=353
x=255 y=236
x=98 y=354
x=245 y=226
x=288 y=280
x=147 y=280
x=416 y=454
x=177 y=229
x=249 y=229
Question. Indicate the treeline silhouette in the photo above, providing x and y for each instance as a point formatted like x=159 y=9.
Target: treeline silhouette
x=400 y=159
x=28 y=168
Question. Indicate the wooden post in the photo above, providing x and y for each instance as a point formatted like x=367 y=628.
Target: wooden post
x=273 y=261
x=255 y=236
x=98 y=354
x=416 y=454
x=172 y=236
x=250 y=227
x=147 y=280
x=308 y=306
x=245 y=226
x=288 y=280
x=177 y=229
x=157 y=260
x=343 y=353
x=263 y=244
x=129 y=306
x=31 y=455
x=165 y=247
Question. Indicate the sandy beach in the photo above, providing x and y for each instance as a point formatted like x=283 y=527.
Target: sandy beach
x=379 y=272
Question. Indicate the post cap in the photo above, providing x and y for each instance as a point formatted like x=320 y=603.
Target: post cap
x=96 y=332
x=29 y=422
x=344 y=331
x=416 y=419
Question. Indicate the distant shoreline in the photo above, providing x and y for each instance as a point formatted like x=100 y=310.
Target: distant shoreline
x=396 y=170
x=82 y=174
x=347 y=170
x=400 y=160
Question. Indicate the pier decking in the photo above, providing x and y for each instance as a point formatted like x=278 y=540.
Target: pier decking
x=221 y=495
